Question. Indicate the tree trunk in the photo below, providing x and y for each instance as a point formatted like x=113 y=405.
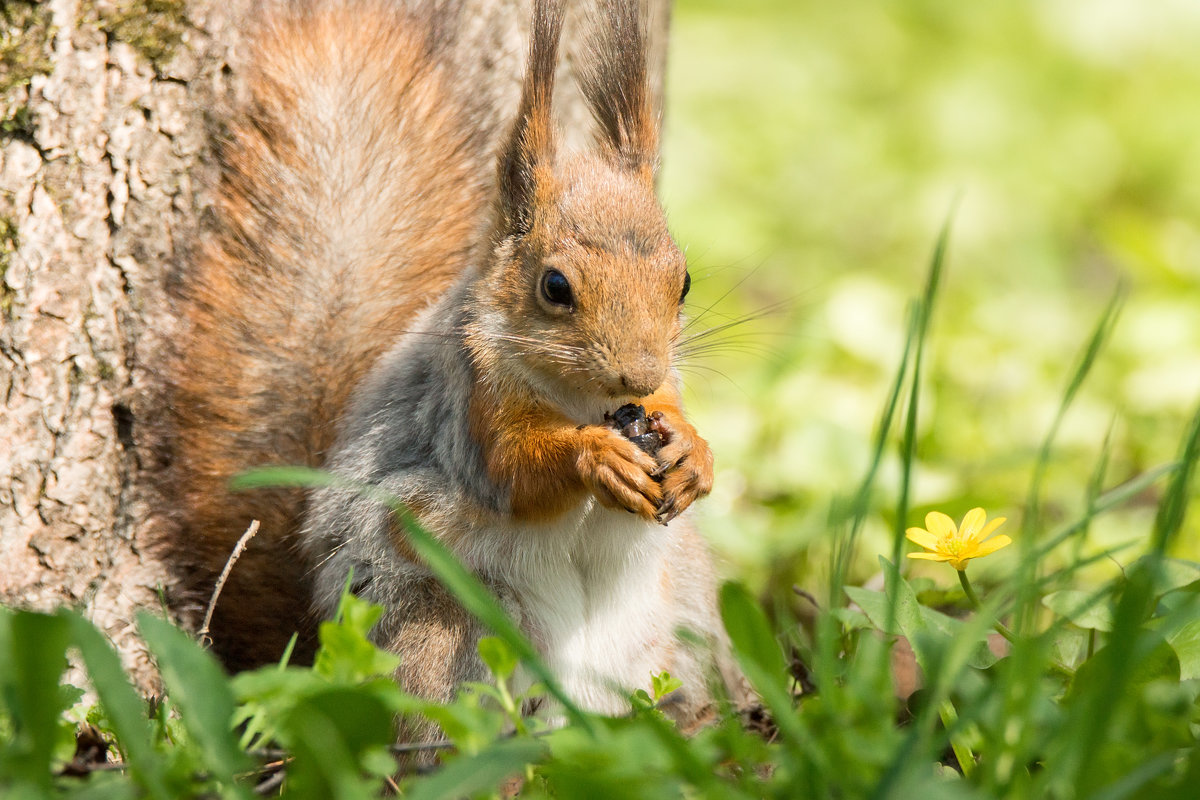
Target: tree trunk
x=107 y=110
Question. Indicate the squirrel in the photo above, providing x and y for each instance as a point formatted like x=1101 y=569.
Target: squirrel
x=386 y=297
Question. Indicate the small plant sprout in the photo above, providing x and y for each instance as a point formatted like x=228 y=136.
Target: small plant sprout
x=663 y=684
x=958 y=544
x=502 y=662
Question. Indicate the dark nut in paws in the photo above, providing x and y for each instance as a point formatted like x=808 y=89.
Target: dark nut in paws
x=631 y=421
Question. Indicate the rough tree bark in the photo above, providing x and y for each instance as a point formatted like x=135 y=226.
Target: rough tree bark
x=106 y=113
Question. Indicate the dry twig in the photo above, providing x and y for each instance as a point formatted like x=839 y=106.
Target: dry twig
x=238 y=548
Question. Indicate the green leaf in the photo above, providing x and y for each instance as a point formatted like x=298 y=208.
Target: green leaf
x=878 y=609
x=467 y=776
x=908 y=445
x=903 y=605
x=760 y=657
x=751 y=635
x=852 y=618
x=124 y=709
x=33 y=651
x=201 y=692
x=1172 y=574
x=1186 y=643
x=335 y=737
x=1151 y=658
x=347 y=654
x=1172 y=508
x=1085 y=609
x=663 y=684
x=465 y=721
x=498 y=656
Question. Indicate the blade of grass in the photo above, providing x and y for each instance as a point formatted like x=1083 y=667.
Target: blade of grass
x=1031 y=520
x=1095 y=485
x=1087 y=359
x=1173 y=507
x=924 y=312
x=1113 y=498
x=35 y=656
x=860 y=504
x=125 y=711
x=200 y=690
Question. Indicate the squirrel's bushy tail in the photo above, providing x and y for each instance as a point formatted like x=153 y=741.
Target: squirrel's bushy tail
x=355 y=184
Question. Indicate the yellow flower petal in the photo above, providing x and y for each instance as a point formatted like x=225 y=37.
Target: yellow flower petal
x=939 y=524
x=991 y=546
x=922 y=537
x=991 y=526
x=957 y=545
x=930 y=556
x=971 y=523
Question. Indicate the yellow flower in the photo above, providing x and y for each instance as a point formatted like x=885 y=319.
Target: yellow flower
x=958 y=545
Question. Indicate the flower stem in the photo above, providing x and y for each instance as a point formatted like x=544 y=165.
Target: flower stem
x=958 y=743
x=1001 y=628
x=973 y=599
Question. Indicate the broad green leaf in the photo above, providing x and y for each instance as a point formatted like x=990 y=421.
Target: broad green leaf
x=335 y=738
x=1186 y=644
x=347 y=654
x=760 y=657
x=852 y=618
x=753 y=640
x=876 y=607
x=902 y=603
x=878 y=610
x=1085 y=609
x=1173 y=574
x=348 y=657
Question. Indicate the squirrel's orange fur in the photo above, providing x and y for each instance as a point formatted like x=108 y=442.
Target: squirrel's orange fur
x=283 y=316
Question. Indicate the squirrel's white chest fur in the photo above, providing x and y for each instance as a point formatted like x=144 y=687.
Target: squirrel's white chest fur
x=592 y=597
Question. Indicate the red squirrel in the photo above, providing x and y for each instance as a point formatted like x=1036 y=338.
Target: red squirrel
x=388 y=298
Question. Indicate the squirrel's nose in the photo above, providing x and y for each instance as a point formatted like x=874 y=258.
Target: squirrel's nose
x=642 y=375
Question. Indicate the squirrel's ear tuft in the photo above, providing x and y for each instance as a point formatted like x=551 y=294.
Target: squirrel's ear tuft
x=531 y=143
x=615 y=82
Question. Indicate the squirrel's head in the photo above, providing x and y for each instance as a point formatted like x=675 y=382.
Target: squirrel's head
x=585 y=290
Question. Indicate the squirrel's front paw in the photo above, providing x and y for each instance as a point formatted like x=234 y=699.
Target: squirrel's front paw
x=686 y=467
x=618 y=473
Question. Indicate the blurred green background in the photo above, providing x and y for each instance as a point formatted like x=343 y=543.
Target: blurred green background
x=812 y=152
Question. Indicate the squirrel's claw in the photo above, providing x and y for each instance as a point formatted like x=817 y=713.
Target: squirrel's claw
x=685 y=465
x=618 y=473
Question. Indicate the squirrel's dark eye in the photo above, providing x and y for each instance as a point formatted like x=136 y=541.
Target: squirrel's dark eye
x=557 y=289
x=687 y=284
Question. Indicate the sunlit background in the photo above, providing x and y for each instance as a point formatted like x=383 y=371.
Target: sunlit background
x=814 y=150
